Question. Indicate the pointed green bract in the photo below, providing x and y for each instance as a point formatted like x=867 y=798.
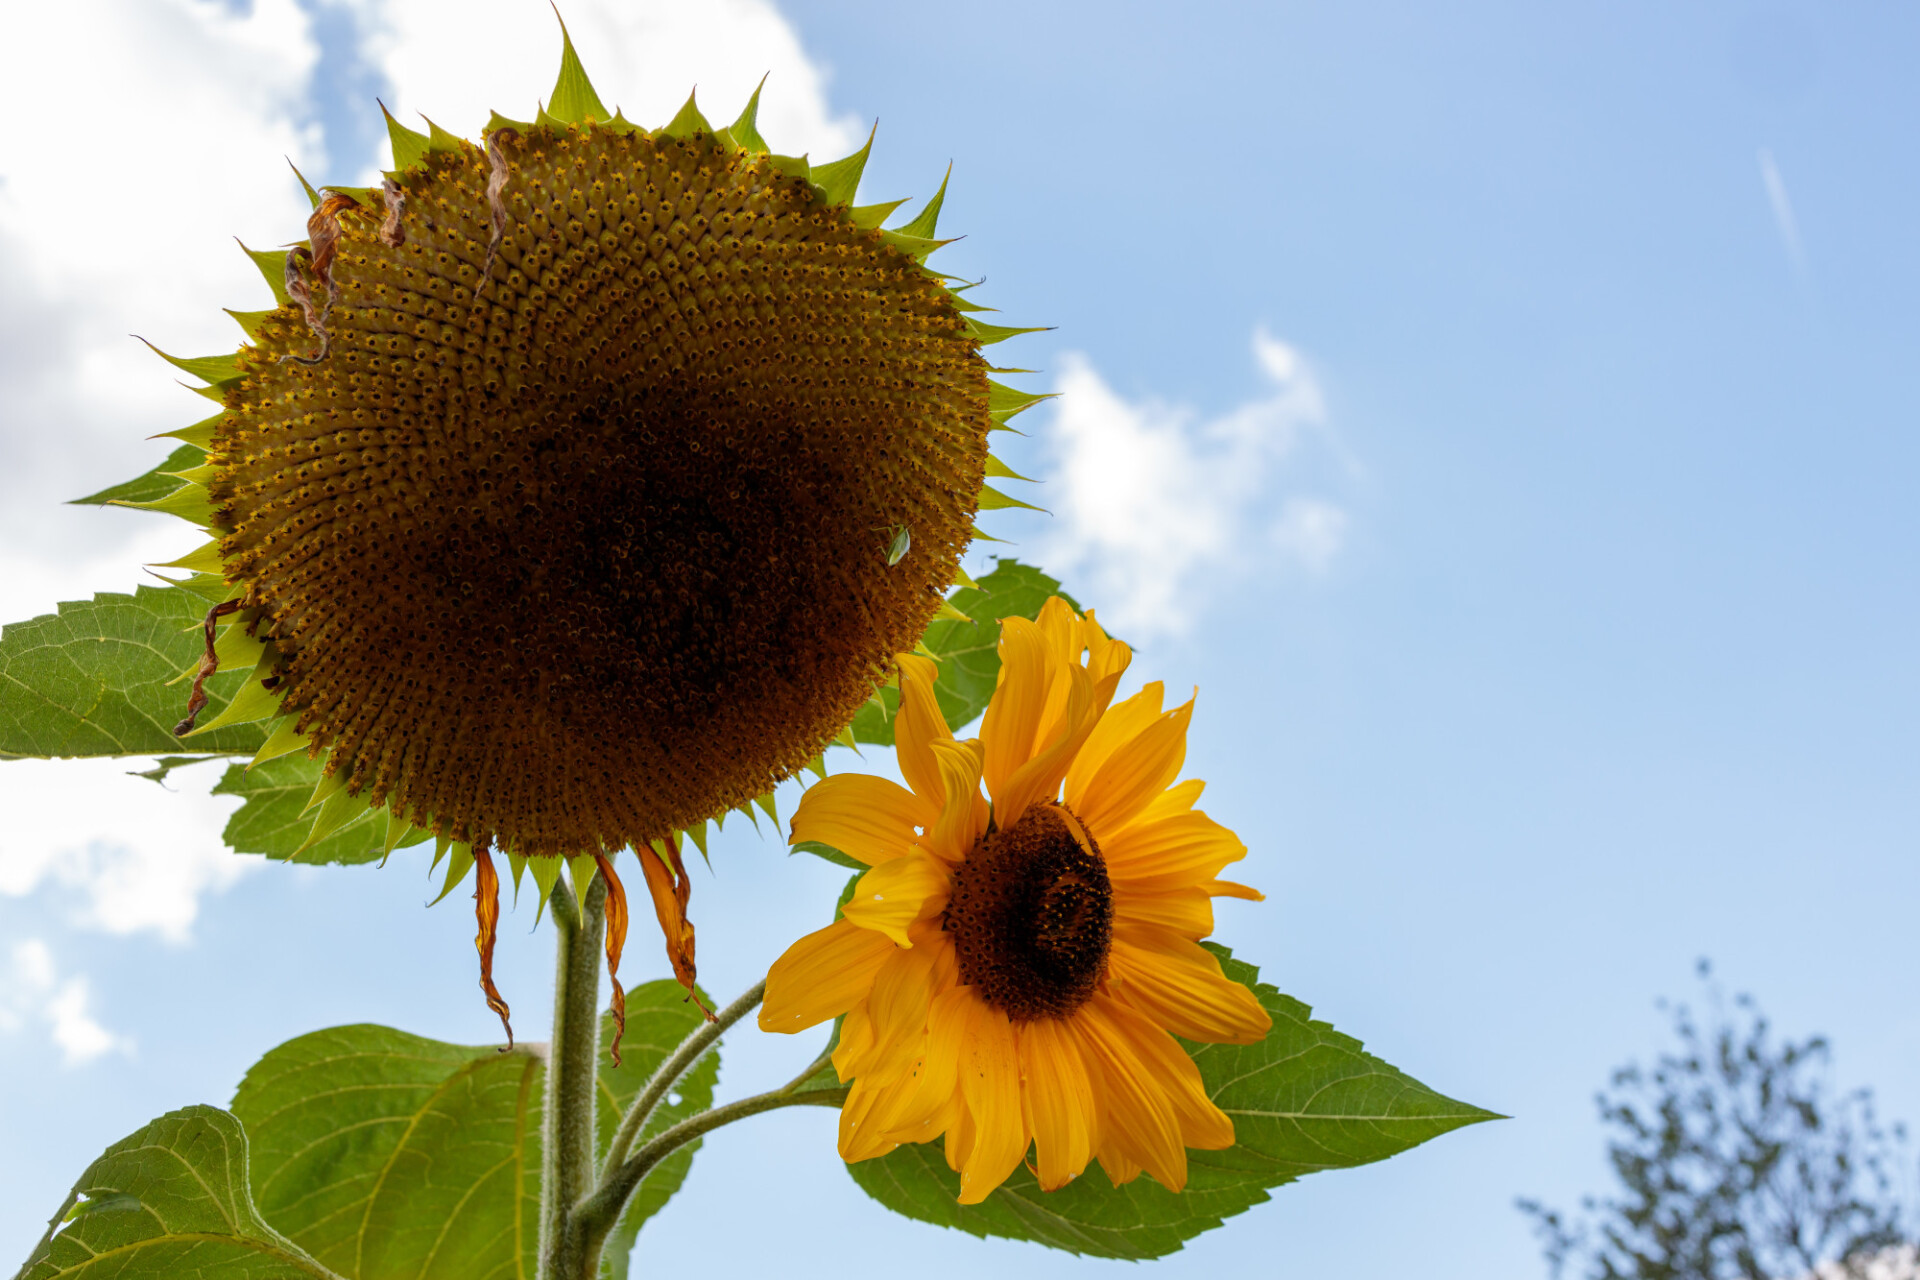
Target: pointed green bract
x=991 y=499
x=439 y=139
x=915 y=246
x=992 y=333
x=839 y=180
x=497 y=122
x=871 y=216
x=285 y=739
x=273 y=267
x=1002 y=471
x=250 y=322
x=573 y=100
x=152 y=486
x=459 y=863
x=200 y=434
x=313 y=197
x=546 y=874
x=409 y=145
x=1004 y=402
x=687 y=121
x=339 y=809
x=745 y=131
x=923 y=225
x=190 y=502
x=209 y=369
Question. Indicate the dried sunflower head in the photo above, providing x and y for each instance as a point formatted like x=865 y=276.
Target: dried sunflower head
x=585 y=480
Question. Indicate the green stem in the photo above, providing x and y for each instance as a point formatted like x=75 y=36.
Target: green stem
x=669 y=1072
x=572 y=1078
x=594 y=1217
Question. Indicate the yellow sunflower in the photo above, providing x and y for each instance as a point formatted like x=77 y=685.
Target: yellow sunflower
x=1013 y=970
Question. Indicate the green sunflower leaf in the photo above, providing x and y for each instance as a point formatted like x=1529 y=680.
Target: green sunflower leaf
x=1303 y=1100
x=274 y=821
x=170 y=1199
x=93 y=679
x=387 y=1154
x=968 y=652
x=151 y=487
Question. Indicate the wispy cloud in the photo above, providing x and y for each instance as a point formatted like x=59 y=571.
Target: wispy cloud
x=1782 y=206
x=1154 y=504
x=32 y=993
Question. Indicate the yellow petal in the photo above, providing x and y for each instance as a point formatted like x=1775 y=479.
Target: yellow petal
x=1060 y=1106
x=1137 y=1123
x=1175 y=800
x=1039 y=778
x=1106 y=659
x=901 y=998
x=964 y=819
x=1188 y=912
x=917 y=726
x=822 y=976
x=1202 y=1124
x=871 y=820
x=894 y=894
x=1013 y=715
x=1137 y=771
x=990 y=1083
x=1183 y=851
x=862 y=1135
x=1229 y=889
x=935 y=1107
x=856 y=1043
x=1178 y=983
x=1122 y=723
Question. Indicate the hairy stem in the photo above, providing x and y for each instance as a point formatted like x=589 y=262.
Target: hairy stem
x=595 y=1216
x=678 y=1063
x=572 y=1076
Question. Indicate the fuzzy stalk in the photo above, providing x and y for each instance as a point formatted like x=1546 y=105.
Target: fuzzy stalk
x=566 y=1172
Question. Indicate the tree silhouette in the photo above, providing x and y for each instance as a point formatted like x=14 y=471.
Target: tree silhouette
x=1736 y=1161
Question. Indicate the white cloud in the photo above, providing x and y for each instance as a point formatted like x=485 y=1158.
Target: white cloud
x=1150 y=499
x=130 y=855
x=32 y=992
x=456 y=60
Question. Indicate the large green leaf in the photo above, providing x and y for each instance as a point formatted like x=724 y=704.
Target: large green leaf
x=170 y=1200
x=93 y=679
x=275 y=821
x=387 y=1154
x=969 y=652
x=1304 y=1099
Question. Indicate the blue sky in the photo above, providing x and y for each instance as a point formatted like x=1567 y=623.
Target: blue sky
x=1509 y=414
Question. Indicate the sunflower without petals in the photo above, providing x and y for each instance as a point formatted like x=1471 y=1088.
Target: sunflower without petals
x=583 y=483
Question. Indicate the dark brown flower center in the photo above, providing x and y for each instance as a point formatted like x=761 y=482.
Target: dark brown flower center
x=582 y=537
x=1032 y=915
